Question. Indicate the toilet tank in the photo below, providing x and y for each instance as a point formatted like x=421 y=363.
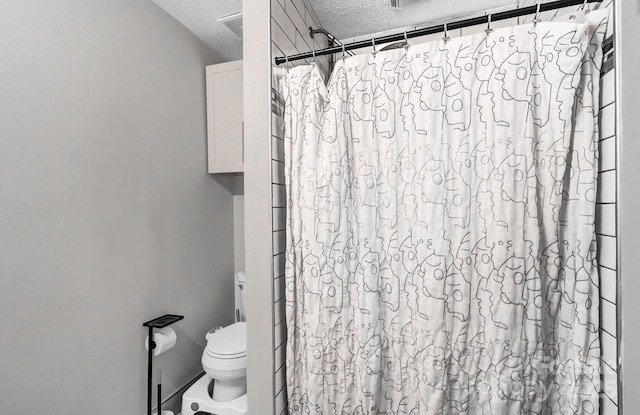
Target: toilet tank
x=240 y=282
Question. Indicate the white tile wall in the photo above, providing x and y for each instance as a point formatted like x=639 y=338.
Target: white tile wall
x=607 y=406
x=277 y=126
x=608 y=311
x=609 y=349
x=607 y=187
x=290 y=22
x=606 y=222
x=278 y=219
x=280 y=382
x=279 y=197
x=282 y=44
x=608 y=94
x=608 y=285
x=610 y=385
x=278 y=265
x=608 y=121
x=280 y=325
x=278 y=245
x=278 y=287
x=607 y=251
x=606 y=230
x=607 y=154
x=277 y=148
x=277 y=171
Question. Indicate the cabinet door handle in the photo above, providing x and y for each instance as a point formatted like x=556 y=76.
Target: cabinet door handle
x=243 y=141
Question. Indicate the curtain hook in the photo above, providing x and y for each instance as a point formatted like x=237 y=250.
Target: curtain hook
x=585 y=7
x=343 y=50
x=406 y=41
x=446 y=38
x=537 y=18
x=286 y=62
x=489 y=29
x=314 y=57
x=373 y=43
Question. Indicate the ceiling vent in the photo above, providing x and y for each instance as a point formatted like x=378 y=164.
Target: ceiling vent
x=233 y=22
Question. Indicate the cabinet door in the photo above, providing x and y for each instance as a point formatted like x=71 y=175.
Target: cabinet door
x=225 y=129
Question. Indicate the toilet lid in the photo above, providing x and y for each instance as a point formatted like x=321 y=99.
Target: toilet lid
x=230 y=341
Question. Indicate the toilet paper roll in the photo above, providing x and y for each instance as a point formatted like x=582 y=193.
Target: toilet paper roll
x=164 y=338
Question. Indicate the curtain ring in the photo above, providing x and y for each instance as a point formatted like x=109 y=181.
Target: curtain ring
x=373 y=43
x=314 y=57
x=489 y=29
x=446 y=38
x=537 y=18
x=344 y=50
x=406 y=41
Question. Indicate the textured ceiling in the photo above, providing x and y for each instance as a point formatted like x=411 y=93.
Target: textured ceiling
x=343 y=18
x=200 y=17
x=351 y=18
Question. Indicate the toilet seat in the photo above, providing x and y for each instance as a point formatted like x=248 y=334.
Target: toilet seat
x=227 y=356
x=229 y=342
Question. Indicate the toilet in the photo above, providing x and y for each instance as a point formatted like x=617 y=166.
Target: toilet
x=223 y=388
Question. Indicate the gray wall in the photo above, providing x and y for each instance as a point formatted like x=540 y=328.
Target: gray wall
x=107 y=215
x=628 y=95
x=238 y=232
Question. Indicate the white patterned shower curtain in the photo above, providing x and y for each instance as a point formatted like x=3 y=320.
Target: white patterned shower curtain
x=440 y=227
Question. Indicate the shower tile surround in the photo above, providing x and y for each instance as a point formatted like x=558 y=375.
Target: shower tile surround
x=290 y=20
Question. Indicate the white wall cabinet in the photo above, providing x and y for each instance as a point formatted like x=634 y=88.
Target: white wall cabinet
x=225 y=127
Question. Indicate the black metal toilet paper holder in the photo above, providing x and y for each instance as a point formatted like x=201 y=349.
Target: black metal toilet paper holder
x=156 y=323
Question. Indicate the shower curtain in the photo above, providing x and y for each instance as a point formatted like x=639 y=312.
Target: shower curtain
x=440 y=227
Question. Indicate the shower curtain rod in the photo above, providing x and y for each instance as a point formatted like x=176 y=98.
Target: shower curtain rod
x=474 y=21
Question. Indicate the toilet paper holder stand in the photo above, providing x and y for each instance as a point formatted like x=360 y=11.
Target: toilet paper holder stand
x=156 y=323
